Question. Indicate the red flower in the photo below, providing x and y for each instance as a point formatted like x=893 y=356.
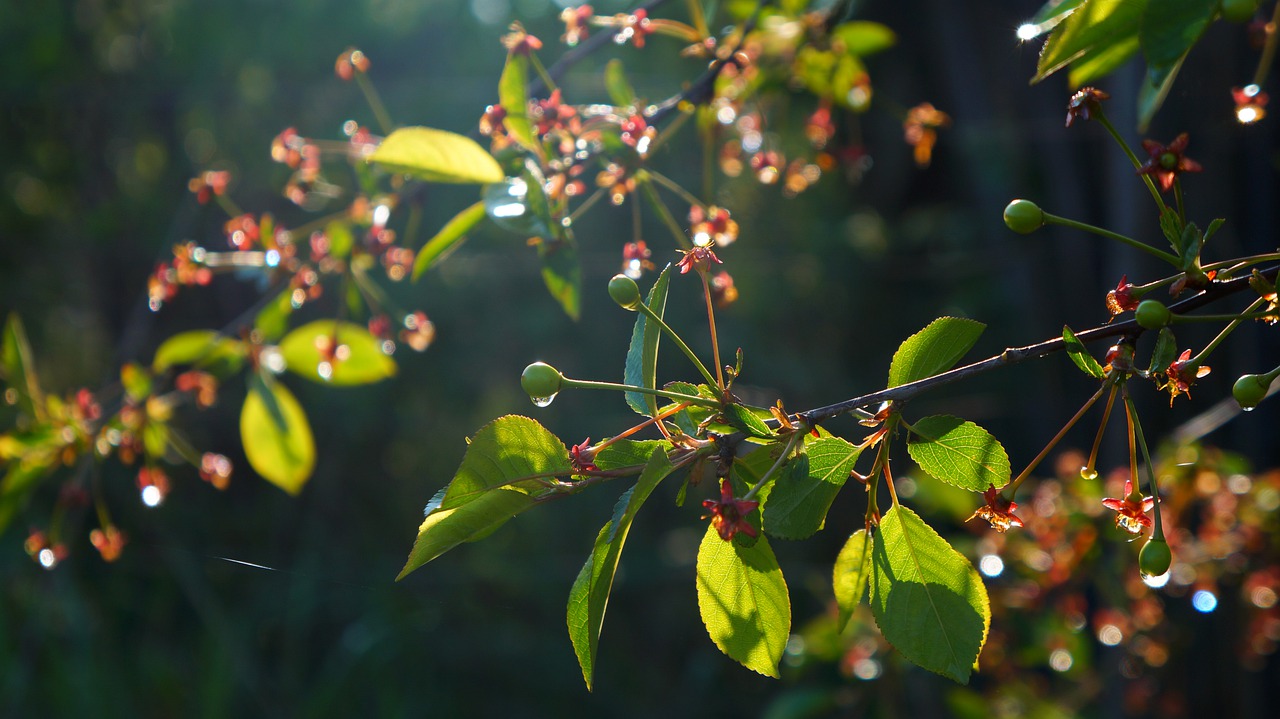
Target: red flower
x=581 y=456
x=1084 y=103
x=635 y=259
x=713 y=223
x=729 y=515
x=575 y=24
x=699 y=258
x=920 y=130
x=349 y=62
x=1131 y=512
x=1167 y=161
x=1251 y=103
x=998 y=511
x=109 y=542
x=1181 y=374
x=1121 y=299
x=519 y=42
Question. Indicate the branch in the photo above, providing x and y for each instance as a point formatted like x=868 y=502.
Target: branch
x=1017 y=355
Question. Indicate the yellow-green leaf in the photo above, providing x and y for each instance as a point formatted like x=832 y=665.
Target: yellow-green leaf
x=934 y=349
x=850 y=575
x=959 y=453
x=514 y=98
x=356 y=355
x=436 y=156
x=448 y=239
x=743 y=601
x=276 y=436
x=199 y=348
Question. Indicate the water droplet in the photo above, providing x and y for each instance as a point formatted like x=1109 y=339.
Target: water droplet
x=1204 y=601
x=1156 y=581
x=271 y=358
x=1247 y=409
x=272 y=258
x=325 y=370
x=1088 y=473
x=543 y=401
x=152 y=496
x=48 y=558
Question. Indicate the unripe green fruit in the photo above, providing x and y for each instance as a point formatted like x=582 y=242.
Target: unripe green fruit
x=625 y=292
x=1155 y=557
x=1152 y=314
x=541 y=380
x=1023 y=216
x=1250 y=389
x=1239 y=10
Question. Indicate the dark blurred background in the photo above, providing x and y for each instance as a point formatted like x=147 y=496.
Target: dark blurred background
x=249 y=602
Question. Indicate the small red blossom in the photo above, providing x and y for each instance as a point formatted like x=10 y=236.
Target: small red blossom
x=699 y=258
x=1121 y=299
x=636 y=27
x=711 y=224
x=767 y=165
x=635 y=259
x=208 y=185
x=920 y=130
x=1181 y=374
x=723 y=293
x=1084 y=103
x=350 y=62
x=1119 y=359
x=1167 y=161
x=581 y=456
x=1131 y=512
x=519 y=42
x=998 y=511
x=729 y=515
x=820 y=128
x=419 y=332
x=202 y=385
x=162 y=286
x=575 y=23
x=86 y=406
x=215 y=469
x=109 y=542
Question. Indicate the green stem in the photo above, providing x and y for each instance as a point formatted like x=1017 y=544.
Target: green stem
x=1137 y=165
x=1012 y=489
x=1158 y=531
x=1181 y=319
x=375 y=103
x=698 y=17
x=1213 y=345
x=665 y=214
x=1063 y=221
x=542 y=73
x=590 y=384
x=675 y=187
x=711 y=321
x=642 y=307
x=1268 y=50
x=1239 y=263
x=786 y=452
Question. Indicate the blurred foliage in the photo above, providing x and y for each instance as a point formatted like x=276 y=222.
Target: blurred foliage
x=250 y=602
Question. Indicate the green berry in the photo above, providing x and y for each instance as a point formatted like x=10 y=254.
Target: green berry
x=1023 y=216
x=625 y=292
x=1152 y=314
x=1239 y=10
x=541 y=380
x=1155 y=557
x=1250 y=389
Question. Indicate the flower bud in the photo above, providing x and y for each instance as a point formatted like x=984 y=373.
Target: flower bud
x=541 y=380
x=1023 y=216
x=625 y=292
x=1152 y=314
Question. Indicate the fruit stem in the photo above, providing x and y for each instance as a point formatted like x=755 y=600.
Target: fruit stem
x=711 y=320
x=679 y=343
x=1199 y=358
x=1102 y=427
x=591 y=384
x=1050 y=219
x=1137 y=165
x=786 y=452
x=1158 y=531
x=1012 y=488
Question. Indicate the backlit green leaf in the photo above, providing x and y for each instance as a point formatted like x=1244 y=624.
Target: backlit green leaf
x=361 y=362
x=201 y=348
x=273 y=320
x=1054 y=11
x=934 y=349
x=1080 y=355
x=641 y=369
x=743 y=601
x=1096 y=28
x=627 y=453
x=799 y=500
x=562 y=274
x=851 y=574
x=862 y=37
x=928 y=600
x=744 y=419
x=276 y=436
x=1171 y=27
x=20 y=478
x=615 y=82
x=506 y=462
x=436 y=156
x=590 y=594
x=514 y=98
x=448 y=239
x=959 y=453
x=17 y=369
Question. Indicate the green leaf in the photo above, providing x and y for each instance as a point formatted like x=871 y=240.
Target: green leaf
x=1102 y=62
x=200 y=348
x=615 y=82
x=590 y=593
x=862 y=38
x=18 y=370
x=19 y=480
x=1153 y=91
x=799 y=500
x=1080 y=355
x=436 y=156
x=449 y=238
x=1165 y=351
x=642 y=355
x=959 y=453
x=364 y=361
x=514 y=98
x=1055 y=11
x=627 y=453
x=928 y=600
x=276 y=436
x=934 y=349
x=1095 y=28
x=506 y=462
x=1171 y=27
x=851 y=574
x=562 y=274
x=341 y=238
x=744 y=419
x=273 y=320
x=136 y=381
x=743 y=601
